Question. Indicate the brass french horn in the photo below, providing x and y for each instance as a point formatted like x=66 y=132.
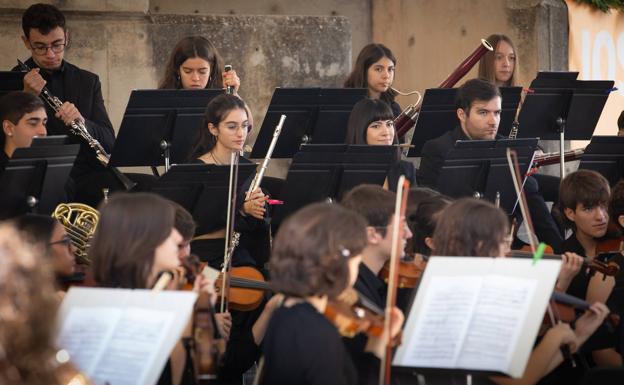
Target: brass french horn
x=80 y=222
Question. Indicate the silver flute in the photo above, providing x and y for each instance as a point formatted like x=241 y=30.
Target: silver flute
x=265 y=163
x=78 y=128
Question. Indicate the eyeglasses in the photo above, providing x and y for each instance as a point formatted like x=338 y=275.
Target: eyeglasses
x=42 y=49
x=63 y=241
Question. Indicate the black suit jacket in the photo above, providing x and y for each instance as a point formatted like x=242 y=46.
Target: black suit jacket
x=433 y=154
x=84 y=90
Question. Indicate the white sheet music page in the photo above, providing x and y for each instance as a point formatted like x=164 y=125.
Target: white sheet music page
x=442 y=321
x=496 y=323
x=122 y=337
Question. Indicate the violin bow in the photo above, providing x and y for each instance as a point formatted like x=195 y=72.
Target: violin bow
x=514 y=168
x=231 y=239
x=398 y=229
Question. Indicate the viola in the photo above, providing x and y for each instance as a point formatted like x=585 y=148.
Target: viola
x=568 y=307
x=410 y=271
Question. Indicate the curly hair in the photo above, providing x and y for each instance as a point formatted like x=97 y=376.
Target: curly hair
x=311 y=250
x=27 y=306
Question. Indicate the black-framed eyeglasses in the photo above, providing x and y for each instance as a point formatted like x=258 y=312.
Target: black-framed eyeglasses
x=42 y=49
x=63 y=241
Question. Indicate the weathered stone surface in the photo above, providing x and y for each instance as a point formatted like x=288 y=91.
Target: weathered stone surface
x=84 y=5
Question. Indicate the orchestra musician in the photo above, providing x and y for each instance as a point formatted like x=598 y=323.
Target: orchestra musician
x=500 y=66
x=616 y=205
x=135 y=241
x=28 y=304
x=46 y=37
x=478 y=111
x=371 y=122
x=620 y=124
x=376 y=205
x=374 y=70
x=584 y=200
x=195 y=63
x=458 y=234
x=23 y=117
x=315 y=258
x=50 y=236
x=223 y=133
x=422 y=219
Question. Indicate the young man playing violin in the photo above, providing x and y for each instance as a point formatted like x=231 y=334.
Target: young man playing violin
x=583 y=201
x=376 y=205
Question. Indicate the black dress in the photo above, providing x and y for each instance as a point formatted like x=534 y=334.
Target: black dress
x=302 y=347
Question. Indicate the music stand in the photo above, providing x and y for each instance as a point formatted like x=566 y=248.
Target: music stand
x=20 y=187
x=438 y=114
x=605 y=155
x=202 y=189
x=480 y=168
x=327 y=171
x=314 y=115
x=160 y=127
x=11 y=81
x=59 y=158
x=560 y=107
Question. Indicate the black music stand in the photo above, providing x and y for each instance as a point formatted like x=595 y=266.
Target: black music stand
x=479 y=167
x=314 y=115
x=160 y=127
x=438 y=114
x=560 y=107
x=11 y=81
x=327 y=171
x=202 y=189
x=20 y=187
x=59 y=159
x=605 y=154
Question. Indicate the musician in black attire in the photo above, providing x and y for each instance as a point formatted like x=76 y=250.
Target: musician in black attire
x=376 y=205
x=478 y=111
x=46 y=37
x=315 y=258
x=223 y=132
x=22 y=117
x=371 y=122
x=374 y=70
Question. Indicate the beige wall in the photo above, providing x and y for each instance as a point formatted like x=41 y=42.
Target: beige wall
x=431 y=38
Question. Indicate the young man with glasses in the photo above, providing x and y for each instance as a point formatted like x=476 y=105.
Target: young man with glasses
x=46 y=37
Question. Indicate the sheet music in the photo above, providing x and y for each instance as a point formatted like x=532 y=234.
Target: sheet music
x=497 y=321
x=479 y=314
x=120 y=336
x=445 y=316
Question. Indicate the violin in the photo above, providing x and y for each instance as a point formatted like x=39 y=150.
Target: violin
x=602 y=263
x=568 y=306
x=351 y=317
x=410 y=271
x=245 y=286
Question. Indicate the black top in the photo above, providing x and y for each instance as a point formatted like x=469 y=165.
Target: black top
x=396 y=109
x=302 y=347
x=4 y=160
x=433 y=154
x=402 y=167
x=83 y=89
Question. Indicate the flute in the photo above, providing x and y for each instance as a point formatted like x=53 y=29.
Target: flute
x=265 y=163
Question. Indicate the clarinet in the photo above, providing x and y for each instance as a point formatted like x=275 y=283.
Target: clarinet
x=78 y=128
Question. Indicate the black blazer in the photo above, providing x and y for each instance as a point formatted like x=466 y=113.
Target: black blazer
x=433 y=154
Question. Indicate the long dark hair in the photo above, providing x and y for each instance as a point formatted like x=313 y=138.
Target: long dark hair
x=188 y=48
x=487 y=69
x=130 y=228
x=364 y=113
x=369 y=55
x=216 y=111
